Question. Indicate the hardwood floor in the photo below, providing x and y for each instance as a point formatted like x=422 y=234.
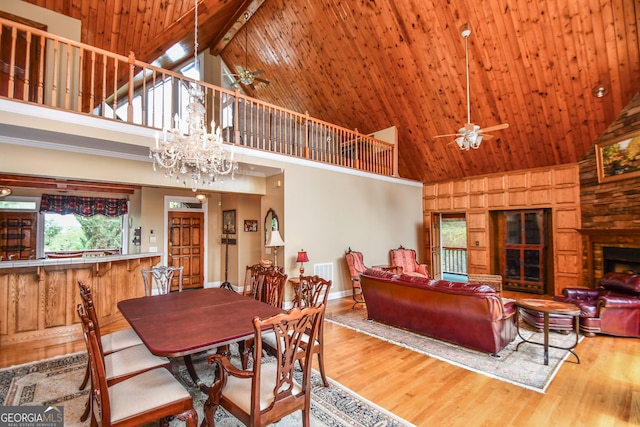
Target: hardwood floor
x=604 y=390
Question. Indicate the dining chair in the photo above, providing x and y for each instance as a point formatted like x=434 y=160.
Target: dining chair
x=120 y=364
x=313 y=291
x=161 y=278
x=268 y=391
x=356 y=266
x=152 y=395
x=270 y=283
x=252 y=275
x=112 y=342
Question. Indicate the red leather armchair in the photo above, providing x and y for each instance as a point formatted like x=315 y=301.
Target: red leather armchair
x=406 y=258
x=612 y=309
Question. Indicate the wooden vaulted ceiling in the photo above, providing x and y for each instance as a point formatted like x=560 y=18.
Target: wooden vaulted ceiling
x=371 y=64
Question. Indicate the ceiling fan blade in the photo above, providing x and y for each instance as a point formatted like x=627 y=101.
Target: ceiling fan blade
x=486 y=136
x=448 y=134
x=496 y=127
x=240 y=69
x=258 y=72
x=262 y=80
x=236 y=82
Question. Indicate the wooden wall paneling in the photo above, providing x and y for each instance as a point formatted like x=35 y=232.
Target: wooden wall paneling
x=52 y=300
x=27 y=302
x=4 y=304
x=517 y=198
x=554 y=189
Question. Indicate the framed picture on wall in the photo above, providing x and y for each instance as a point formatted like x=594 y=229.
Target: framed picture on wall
x=618 y=159
x=250 y=225
x=229 y=221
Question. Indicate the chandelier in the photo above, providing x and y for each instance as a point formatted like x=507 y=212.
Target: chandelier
x=194 y=153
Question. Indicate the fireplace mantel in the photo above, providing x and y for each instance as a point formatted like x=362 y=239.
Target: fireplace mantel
x=593 y=236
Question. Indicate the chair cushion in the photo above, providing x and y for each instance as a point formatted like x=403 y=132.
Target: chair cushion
x=120 y=340
x=131 y=360
x=238 y=390
x=144 y=392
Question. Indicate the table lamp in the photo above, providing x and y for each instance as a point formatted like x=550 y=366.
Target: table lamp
x=275 y=241
x=302 y=258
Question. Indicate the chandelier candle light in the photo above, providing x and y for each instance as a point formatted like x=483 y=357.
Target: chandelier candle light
x=196 y=152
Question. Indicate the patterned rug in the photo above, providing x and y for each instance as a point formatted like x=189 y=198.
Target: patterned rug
x=524 y=368
x=55 y=382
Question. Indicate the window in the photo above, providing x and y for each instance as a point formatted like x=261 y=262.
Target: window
x=76 y=233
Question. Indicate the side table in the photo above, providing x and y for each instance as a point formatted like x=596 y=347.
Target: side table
x=547 y=307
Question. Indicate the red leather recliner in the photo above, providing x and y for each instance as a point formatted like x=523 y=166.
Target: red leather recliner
x=612 y=309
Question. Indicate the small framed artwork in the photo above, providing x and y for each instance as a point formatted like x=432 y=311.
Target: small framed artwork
x=229 y=222
x=618 y=159
x=250 y=225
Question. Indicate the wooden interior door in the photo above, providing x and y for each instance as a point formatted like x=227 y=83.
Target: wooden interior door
x=186 y=248
x=18 y=235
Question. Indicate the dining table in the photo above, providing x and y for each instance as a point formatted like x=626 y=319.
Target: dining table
x=179 y=324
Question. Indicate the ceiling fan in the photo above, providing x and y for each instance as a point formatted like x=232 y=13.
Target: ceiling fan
x=245 y=76
x=470 y=135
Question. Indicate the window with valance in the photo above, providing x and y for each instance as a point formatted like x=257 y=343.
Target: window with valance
x=83 y=206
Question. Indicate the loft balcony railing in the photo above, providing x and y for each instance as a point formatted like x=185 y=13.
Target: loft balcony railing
x=40 y=68
x=454 y=260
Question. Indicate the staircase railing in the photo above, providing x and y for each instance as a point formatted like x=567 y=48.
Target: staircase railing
x=41 y=68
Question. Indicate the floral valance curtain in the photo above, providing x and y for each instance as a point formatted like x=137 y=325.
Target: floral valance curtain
x=84 y=206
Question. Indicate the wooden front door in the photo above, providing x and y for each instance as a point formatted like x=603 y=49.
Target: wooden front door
x=17 y=235
x=186 y=248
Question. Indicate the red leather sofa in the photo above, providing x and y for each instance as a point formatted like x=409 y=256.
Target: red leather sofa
x=472 y=316
x=613 y=308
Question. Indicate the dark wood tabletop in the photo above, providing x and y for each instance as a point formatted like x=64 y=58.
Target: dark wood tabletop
x=549 y=306
x=184 y=323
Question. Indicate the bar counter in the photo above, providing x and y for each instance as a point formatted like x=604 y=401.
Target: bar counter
x=38 y=298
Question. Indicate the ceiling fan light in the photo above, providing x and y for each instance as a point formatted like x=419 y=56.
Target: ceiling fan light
x=475 y=141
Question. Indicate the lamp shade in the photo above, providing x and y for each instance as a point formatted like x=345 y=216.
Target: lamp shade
x=275 y=239
x=302 y=256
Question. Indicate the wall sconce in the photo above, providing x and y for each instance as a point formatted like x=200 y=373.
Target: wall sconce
x=302 y=258
x=201 y=197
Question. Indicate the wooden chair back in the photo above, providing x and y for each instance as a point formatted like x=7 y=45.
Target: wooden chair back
x=100 y=406
x=90 y=309
x=252 y=276
x=271 y=287
x=313 y=291
x=161 y=278
x=274 y=391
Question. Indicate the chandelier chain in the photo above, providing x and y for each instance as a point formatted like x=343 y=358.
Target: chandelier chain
x=188 y=150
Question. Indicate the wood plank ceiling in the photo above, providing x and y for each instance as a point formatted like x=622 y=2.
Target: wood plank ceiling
x=370 y=64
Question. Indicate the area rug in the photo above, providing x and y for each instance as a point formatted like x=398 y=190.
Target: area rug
x=55 y=382
x=524 y=368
